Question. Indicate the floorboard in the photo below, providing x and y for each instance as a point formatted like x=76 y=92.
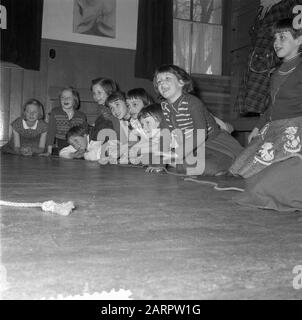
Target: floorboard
x=156 y=235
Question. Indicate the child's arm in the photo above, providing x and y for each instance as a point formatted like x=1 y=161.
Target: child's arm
x=51 y=132
x=42 y=142
x=199 y=122
x=71 y=153
x=224 y=125
x=17 y=145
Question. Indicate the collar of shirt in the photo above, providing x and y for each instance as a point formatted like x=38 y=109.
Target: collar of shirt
x=25 y=126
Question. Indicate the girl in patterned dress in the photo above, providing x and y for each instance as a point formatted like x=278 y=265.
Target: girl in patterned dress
x=28 y=131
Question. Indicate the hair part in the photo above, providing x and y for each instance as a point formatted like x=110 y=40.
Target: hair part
x=140 y=93
x=153 y=110
x=37 y=103
x=76 y=131
x=107 y=84
x=180 y=74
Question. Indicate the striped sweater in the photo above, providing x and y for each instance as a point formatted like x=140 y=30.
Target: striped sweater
x=188 y=114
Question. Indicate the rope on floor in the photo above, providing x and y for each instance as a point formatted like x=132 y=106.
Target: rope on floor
x=62 y=209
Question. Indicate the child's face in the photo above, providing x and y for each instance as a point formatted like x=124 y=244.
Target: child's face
x=169 y=86
x=285 y=45
x=118 y=109
x=78 y=142
x=135 y=105
x=99 y=94
x=148 y=124
x=31 y=113
x=67 y=100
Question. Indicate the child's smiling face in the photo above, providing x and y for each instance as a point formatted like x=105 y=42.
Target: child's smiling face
x=67 y=100
x=31 y=113
x=78 y=142
x=285 y=45
x=135 y=105
x=118 y=109
x=99 y=94
x=169 y=86
x=148 y=124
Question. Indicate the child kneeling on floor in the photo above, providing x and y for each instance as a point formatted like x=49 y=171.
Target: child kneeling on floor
x=203 y=147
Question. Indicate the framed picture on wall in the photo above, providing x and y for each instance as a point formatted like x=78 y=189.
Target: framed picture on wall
x=95 y=17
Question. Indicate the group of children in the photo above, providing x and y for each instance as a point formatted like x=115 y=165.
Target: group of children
x=177 y=132
x=131 y=128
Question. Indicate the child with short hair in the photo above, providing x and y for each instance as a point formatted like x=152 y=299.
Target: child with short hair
x=63 y=118
x=118 y=149
x=278 y=133
x=81 y=146
x=102 y=88
x=28 y=131
x=117 y=104
x=272 y=162
x=187 y=114
x=137 y=99
x=150 y=119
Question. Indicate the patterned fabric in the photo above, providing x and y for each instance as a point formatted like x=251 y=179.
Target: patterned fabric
x=277 y=140
x=28 y=137
x=59 y=124
x=253 y=93
x=277 y=187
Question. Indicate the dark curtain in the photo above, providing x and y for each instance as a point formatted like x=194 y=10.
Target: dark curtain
x=21 y=41
x=154 y=36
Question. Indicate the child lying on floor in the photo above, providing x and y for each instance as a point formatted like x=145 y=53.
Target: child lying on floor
x=80 y=146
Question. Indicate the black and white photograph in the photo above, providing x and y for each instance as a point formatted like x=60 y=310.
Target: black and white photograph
x=150 y=151
x=95 y=17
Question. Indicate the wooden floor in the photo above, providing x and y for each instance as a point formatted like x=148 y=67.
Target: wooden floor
x=155 y=235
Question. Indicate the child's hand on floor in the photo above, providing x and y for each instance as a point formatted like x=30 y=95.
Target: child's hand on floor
x=78 y=154
x=45 y=154
x=159 y=170
x=26 y=151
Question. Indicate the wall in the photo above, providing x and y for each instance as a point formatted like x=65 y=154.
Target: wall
x=79 y=59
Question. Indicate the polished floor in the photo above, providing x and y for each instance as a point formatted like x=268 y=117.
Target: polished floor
x=156 y=235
